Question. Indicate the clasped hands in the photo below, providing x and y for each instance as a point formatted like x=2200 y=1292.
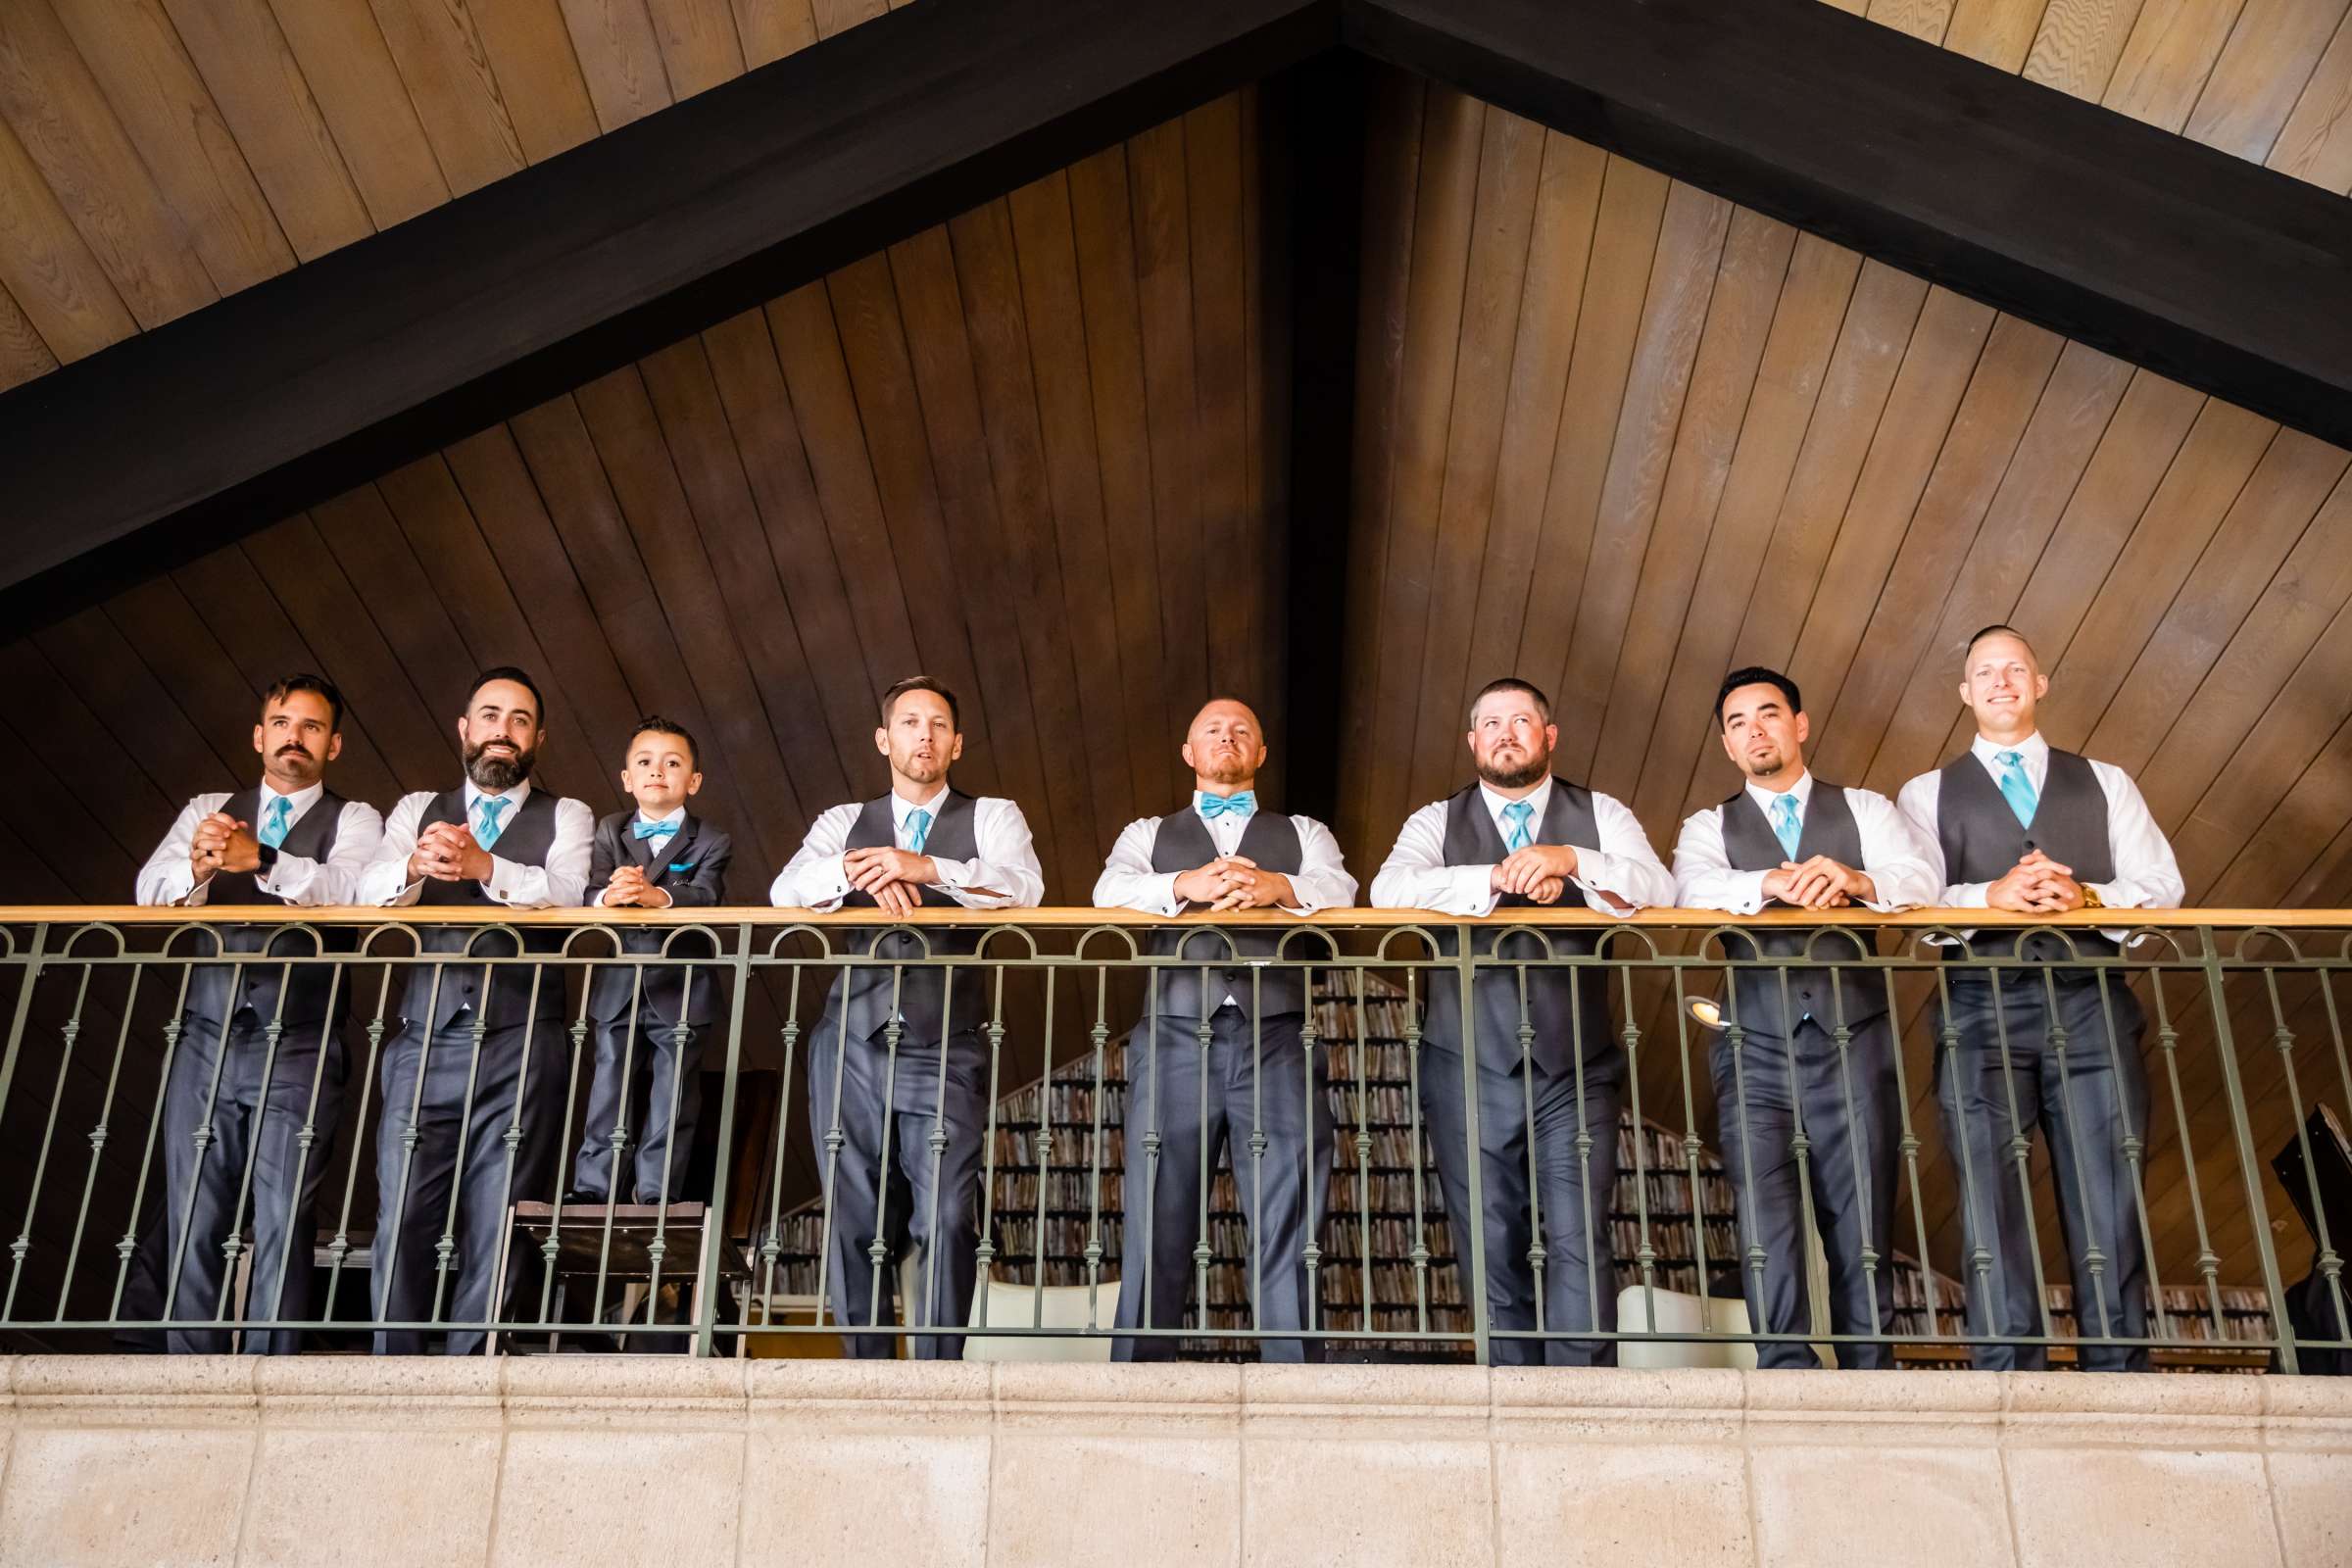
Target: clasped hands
x=2036 y=885
x=447 y=852
x=1234 y=882
x=222 y=842
x=629 y=889
x=895 y=878
x=1540 y=873
x=1819 y=883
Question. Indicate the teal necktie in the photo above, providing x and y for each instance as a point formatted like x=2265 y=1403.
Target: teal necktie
x=918 y=828
x=1516 y=834
x=1212 y=806
x=2016 y=788
x=275 y=825
x=1785 y=825
x=491 y=807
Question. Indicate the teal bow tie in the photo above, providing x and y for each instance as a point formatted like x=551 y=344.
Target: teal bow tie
x=656 y=830
x=1517 y=835
x=1242 y=804
x=918 y=828
x=1785 y=825
x=275 y=825
x=2017 y=789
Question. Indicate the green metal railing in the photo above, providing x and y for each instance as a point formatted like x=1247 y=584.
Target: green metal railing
x=1657 y=1178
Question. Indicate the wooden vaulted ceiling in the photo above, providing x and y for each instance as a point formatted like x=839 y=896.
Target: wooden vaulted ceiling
x=1611 y=433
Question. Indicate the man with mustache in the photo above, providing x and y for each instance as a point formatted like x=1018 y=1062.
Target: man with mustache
x=896 y=1055
x=1811 y=1063
x=1196 y=1098
x=256 y=1058
x=2015 y=823
x=1515 y=838
x=480 y=1051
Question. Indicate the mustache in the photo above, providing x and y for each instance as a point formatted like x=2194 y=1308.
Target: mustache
x=296 y=748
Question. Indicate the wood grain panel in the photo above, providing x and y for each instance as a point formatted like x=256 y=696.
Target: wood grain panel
x=538 y=73
x=23 y=353
x=152 y=87
x=341 y=50
x=48 y=267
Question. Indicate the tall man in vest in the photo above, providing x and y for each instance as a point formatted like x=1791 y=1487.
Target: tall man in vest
x=258 y=1059
x=1806 y=1051
x=896 y=1055
x=1519 y=837
x=478 y=1054
x=2013 y=823
x=1247 y=1087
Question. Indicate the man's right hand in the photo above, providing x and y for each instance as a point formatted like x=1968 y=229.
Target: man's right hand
x=1207 y=884
x=210 y=845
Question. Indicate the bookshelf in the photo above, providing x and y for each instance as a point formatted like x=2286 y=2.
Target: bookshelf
x=1373 y=1180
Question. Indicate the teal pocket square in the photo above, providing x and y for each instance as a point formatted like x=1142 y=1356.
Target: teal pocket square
x=681 y=865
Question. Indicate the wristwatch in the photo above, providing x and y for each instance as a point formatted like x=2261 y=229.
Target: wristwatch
x=2092 y=899
x=267 y=855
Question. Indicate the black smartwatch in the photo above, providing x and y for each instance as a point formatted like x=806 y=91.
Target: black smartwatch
x=269 y=858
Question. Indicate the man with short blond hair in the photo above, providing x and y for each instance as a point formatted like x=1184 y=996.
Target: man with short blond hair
x=2015 y=823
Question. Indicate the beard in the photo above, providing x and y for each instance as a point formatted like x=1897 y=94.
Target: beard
x=922 y=770
x=295 y=761
x=1764 y=764
x=1230 y=770
x=496 y=774
x=1516 y=777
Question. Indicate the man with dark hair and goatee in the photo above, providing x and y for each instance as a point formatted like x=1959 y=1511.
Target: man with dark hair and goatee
x=1804 y=1064
x=257 y=1059
x=1519 y=837
x=480 y=1051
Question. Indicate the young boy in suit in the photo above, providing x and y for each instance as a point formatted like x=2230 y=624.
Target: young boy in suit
x=646 y=1091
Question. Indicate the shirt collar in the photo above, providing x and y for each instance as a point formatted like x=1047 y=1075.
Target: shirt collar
x=475 y=796
x=297 y=803
x=2033 y=749
x=677 y=815
x=1539 y=800
x=901 y=807
x=1801 y=792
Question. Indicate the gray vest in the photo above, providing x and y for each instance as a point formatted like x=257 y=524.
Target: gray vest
x=524 y=839
x=218 y=991
x=866 y=993
x=1182 y=843
x=1566 y=1008
x=1750 y=845
x=1982 y=841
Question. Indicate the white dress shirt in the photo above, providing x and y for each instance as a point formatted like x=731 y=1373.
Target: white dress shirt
x=1892 y=857
x=1128 y=881
x=1622 y=864
x=677 y=815
x=168 y=878
x=561 y=881
x=1003 y=875
x=2146 y=876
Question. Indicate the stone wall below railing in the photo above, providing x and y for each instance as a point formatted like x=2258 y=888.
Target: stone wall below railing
x=594 y=1460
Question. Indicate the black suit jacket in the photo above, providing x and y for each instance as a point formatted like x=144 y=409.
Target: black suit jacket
x=691 y=866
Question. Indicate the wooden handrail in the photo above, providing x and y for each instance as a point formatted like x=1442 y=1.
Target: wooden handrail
x=1082 y=918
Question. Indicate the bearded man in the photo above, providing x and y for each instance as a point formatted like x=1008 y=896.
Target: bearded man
x=1549 y=1073
x=898 y=1094
x=473 y=1083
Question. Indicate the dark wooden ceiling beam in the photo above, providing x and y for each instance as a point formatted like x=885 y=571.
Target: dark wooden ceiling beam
x=277 y=397
x=2201 y=267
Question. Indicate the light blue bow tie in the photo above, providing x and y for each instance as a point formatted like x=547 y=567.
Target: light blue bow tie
x=2017 y=789
x=656 y=830
x=1517 y=834
x=1786 y=826
x=490 y=808
x=1242 y=804
x=275 y=825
